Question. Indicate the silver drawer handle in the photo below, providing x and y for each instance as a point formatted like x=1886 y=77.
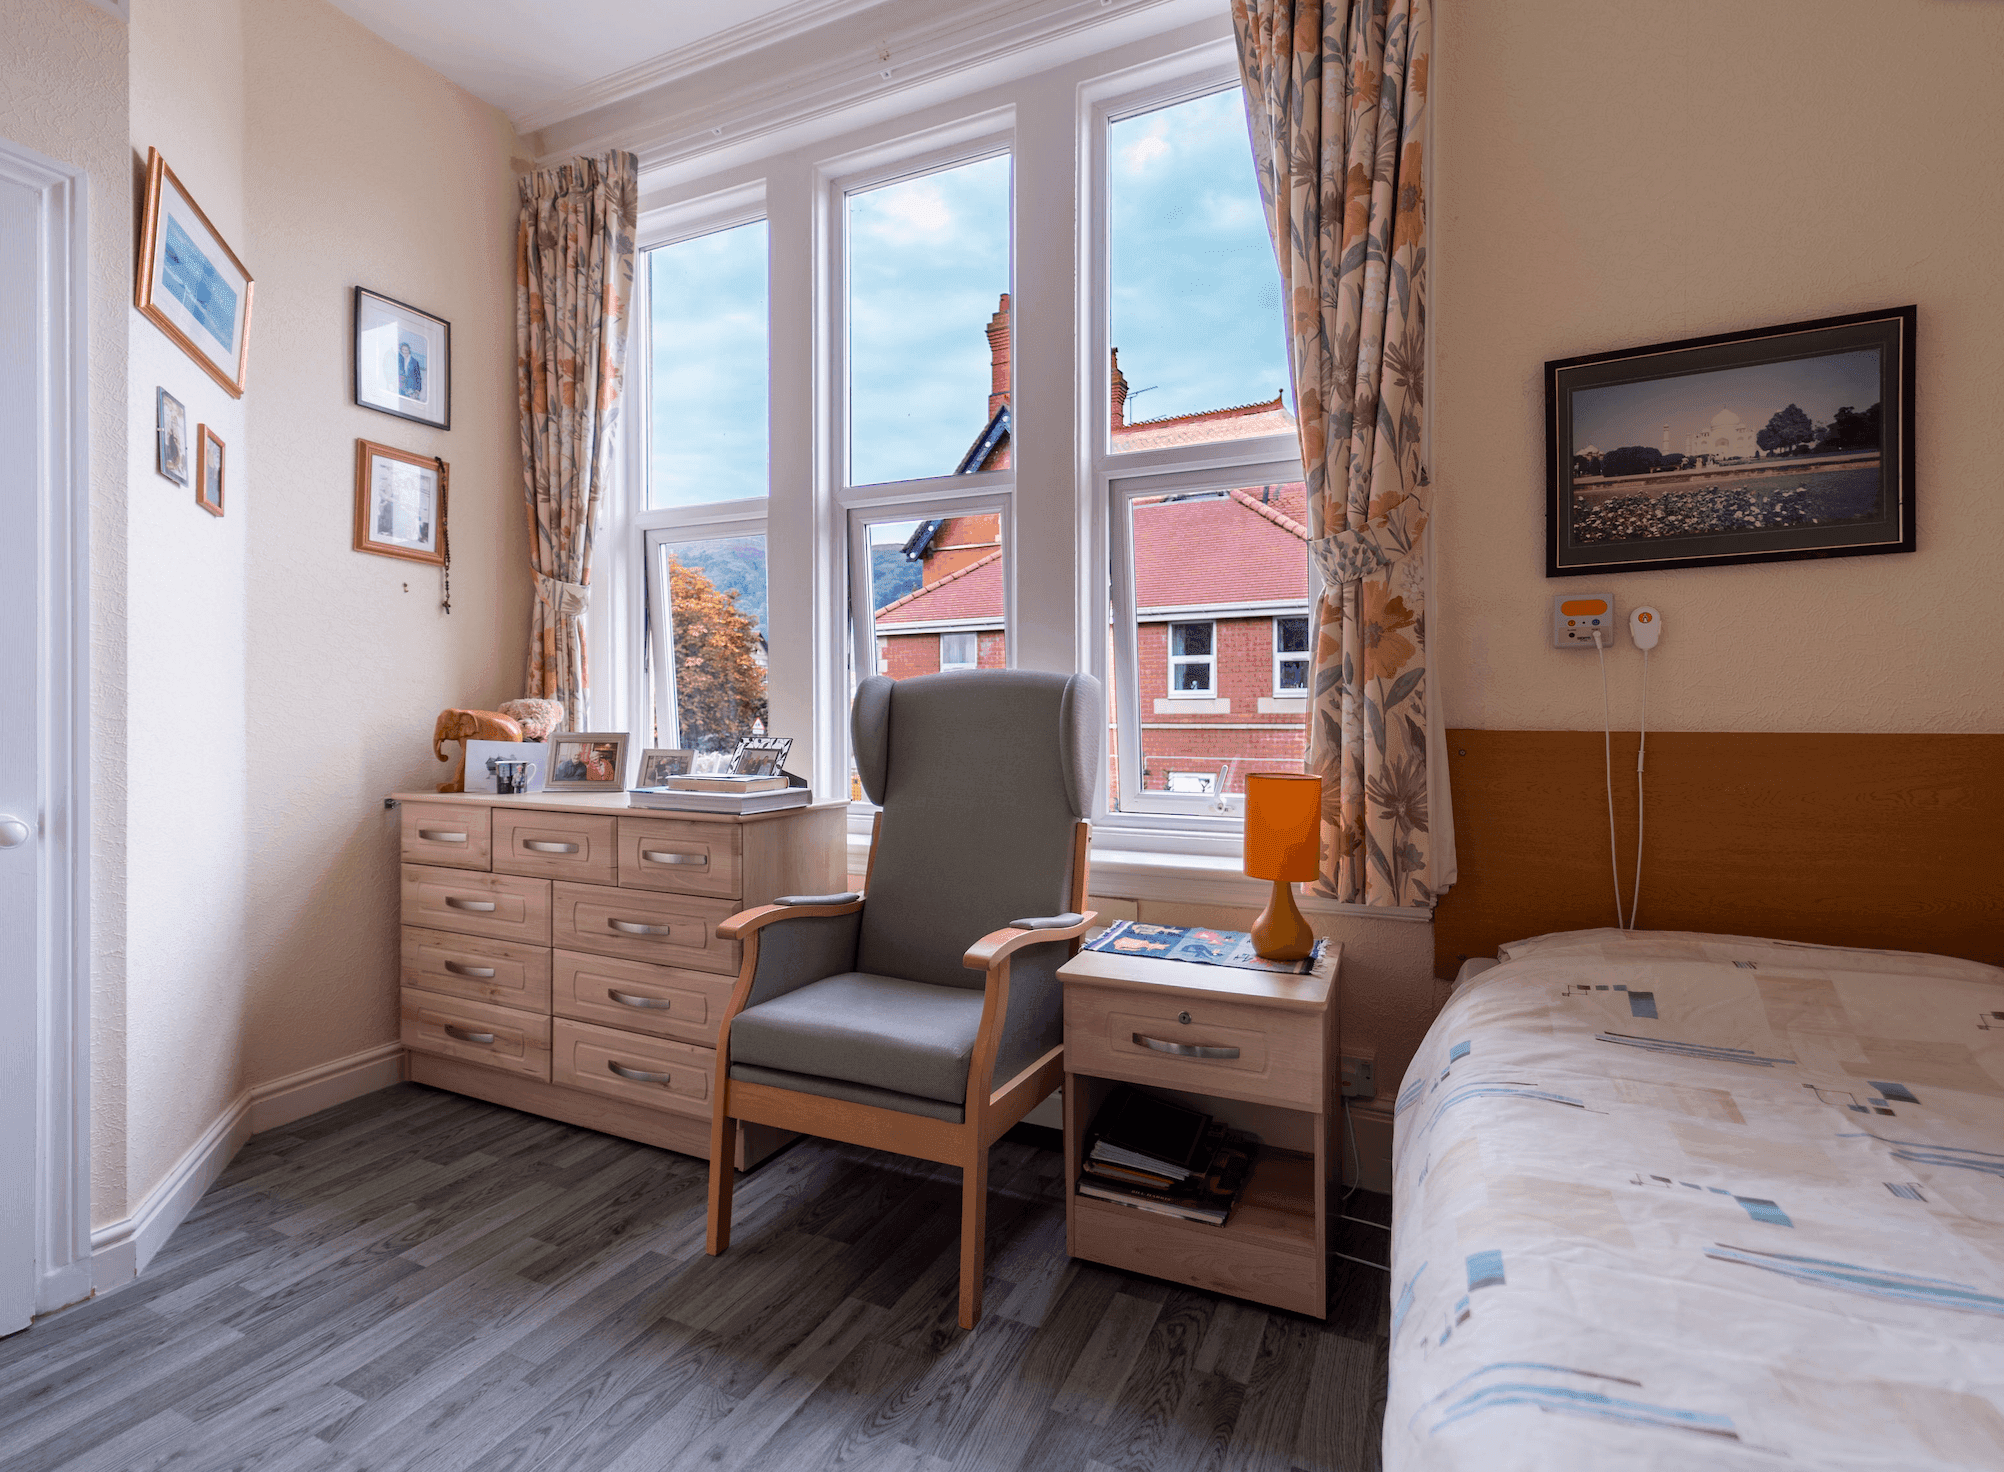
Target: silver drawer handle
x=468 y=1037
x=1185 y=1050
x=627 y=999
x=634 y=927
x=454 y=902
x=640 y=1076
x=541 y=846
x=458 y=970
x=439 y=835
x=665 y=856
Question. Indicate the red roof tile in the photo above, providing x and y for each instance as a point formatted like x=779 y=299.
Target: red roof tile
x=974 y=592
x=1232 y=549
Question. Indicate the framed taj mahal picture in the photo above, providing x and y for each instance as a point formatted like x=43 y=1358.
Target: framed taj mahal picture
x=1789 y=442
x=403 y=360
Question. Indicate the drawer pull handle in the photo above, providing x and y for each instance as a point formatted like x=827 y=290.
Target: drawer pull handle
x=459 y=970
x=639 y=1075
x=1185 y=1050
x=634 y=927
x=666 y=856
x=543 y=846
x=628 y=999
x=468 y=1037
x=439 y=835
x=454 y=902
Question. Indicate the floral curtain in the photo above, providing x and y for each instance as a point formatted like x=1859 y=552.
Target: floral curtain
x=573 y=281
x=1336 y=98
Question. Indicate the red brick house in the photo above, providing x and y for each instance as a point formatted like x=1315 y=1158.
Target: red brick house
x=1221 y=589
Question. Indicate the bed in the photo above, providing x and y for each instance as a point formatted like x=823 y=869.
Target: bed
x=1678 y=1200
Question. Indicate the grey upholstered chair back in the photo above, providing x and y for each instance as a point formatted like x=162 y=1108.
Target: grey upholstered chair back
x=983 y=777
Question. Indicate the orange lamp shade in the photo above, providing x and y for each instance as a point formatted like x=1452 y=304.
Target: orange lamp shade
x=1283 y=825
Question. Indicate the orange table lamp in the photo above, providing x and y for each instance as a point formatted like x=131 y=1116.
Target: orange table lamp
x=1283 y=843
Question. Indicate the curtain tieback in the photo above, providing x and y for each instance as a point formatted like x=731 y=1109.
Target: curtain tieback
x=1352 y=555
x=566 y=600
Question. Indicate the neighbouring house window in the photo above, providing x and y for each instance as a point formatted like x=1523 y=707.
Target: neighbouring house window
x=1290 y=655
x=1193 y=658
x=709 y=644
x=1198 y=783
x=958 y=651
x=708 y=368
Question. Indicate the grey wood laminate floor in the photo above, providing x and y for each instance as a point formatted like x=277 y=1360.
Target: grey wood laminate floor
x=415 y=1280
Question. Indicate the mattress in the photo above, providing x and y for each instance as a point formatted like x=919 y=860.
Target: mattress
x=1668 y=1200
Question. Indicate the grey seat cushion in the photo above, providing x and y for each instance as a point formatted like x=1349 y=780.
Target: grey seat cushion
x=909 y=1037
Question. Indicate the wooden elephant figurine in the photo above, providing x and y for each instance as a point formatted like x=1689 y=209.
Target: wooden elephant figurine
x=469 y=725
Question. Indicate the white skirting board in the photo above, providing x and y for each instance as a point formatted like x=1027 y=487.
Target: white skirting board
x=121 y=1250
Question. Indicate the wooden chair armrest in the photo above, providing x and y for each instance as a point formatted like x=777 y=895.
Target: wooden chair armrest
x=1000 y=944
x=745 y=922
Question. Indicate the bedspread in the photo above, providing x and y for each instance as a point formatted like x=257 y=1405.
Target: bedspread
x=1671 y=1200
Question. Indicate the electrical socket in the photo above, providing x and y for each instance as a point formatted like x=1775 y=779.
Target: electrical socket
x=1360 y=1078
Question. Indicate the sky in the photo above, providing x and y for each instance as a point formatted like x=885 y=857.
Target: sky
x=1635 y=413
x=1195 y=308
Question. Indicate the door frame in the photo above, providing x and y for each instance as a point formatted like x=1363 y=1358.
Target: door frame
x=62 y=1248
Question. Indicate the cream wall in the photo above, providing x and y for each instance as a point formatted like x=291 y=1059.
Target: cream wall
x=63 y=94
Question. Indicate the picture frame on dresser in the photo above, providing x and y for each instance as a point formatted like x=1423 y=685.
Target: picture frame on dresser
x=587 y=761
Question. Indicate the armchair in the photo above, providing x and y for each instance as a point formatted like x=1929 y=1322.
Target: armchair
x=924 y=1015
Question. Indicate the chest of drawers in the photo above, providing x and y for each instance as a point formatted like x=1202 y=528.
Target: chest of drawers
x=560 y=953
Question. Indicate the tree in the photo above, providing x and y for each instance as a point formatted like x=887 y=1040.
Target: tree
x=892 y=575
x=1633 y=460
x=1850 y=430
x=719 y=681
x=1789 y=428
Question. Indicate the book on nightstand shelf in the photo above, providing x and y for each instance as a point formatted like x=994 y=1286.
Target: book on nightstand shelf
x=1159 y=1156
x=770 y=794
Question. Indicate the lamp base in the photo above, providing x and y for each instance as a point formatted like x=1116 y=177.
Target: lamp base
x=1280 y=933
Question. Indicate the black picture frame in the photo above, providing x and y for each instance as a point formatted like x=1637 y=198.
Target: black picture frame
x=1793 y=489
x=379 y=382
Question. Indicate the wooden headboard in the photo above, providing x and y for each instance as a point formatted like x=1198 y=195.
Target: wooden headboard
x=1890 y=842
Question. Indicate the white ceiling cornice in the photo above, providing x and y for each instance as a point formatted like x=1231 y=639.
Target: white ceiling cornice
x=732 y=100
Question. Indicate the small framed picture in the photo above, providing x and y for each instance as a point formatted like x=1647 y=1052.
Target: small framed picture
x=587 y=761
x=761 y=756
x=172 y=434
x=659 y=763
x=209 y=470
x=403 y=360
x=400 y=503
x=191 y=284
x=507 y=768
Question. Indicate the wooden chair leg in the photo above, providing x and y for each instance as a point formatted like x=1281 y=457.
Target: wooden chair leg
x=973 y=1236
x=723 y=1172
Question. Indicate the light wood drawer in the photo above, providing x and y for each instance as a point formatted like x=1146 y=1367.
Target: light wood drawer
x=474 y=1032
x=576 y=846
x=503 y=972
x=455 y=835
x=1261 y=1267
x=665 y=1001
x=682 y=857
x=500 y=906
x=664 y=929
x=1275 y=1056
x=654 y=1072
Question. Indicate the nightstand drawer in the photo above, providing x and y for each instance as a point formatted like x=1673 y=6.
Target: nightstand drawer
x=502 y=972
x=667 y=1001
x=663 y=929
x=653 y=1072
x=455 y=835
x=500 y=906
x=1181 y=1041
x=494 y=1037
x=574 y=846
x=681 y=857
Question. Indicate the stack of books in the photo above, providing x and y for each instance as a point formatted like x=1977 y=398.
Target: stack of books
x=1159 y=1156
x=724 y=793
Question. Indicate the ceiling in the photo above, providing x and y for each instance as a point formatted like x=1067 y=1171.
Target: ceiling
x=523 y=55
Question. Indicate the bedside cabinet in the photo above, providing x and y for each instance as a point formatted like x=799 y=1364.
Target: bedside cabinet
x=1258 y=1050
x=560 y=952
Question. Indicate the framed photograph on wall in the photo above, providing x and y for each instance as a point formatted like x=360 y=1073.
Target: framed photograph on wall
x=587 y=761
x=209 y=470
x=191 y=284
x=1769 y=446
x=400 y=503
x=403 y=360
x=171 y=436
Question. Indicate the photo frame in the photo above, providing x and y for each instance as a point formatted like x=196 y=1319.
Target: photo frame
x=170 y=433
x=482 y=755
x=587 y=761
x=403 y=360
x=1774 y=445
x=659 y=763
x=209 y=470
x=190 y=283
x=761 y=756
x=401 y=503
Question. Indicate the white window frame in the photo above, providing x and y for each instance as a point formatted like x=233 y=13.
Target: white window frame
x=655 y=542
x=1280 y=656
x=1209 y=661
